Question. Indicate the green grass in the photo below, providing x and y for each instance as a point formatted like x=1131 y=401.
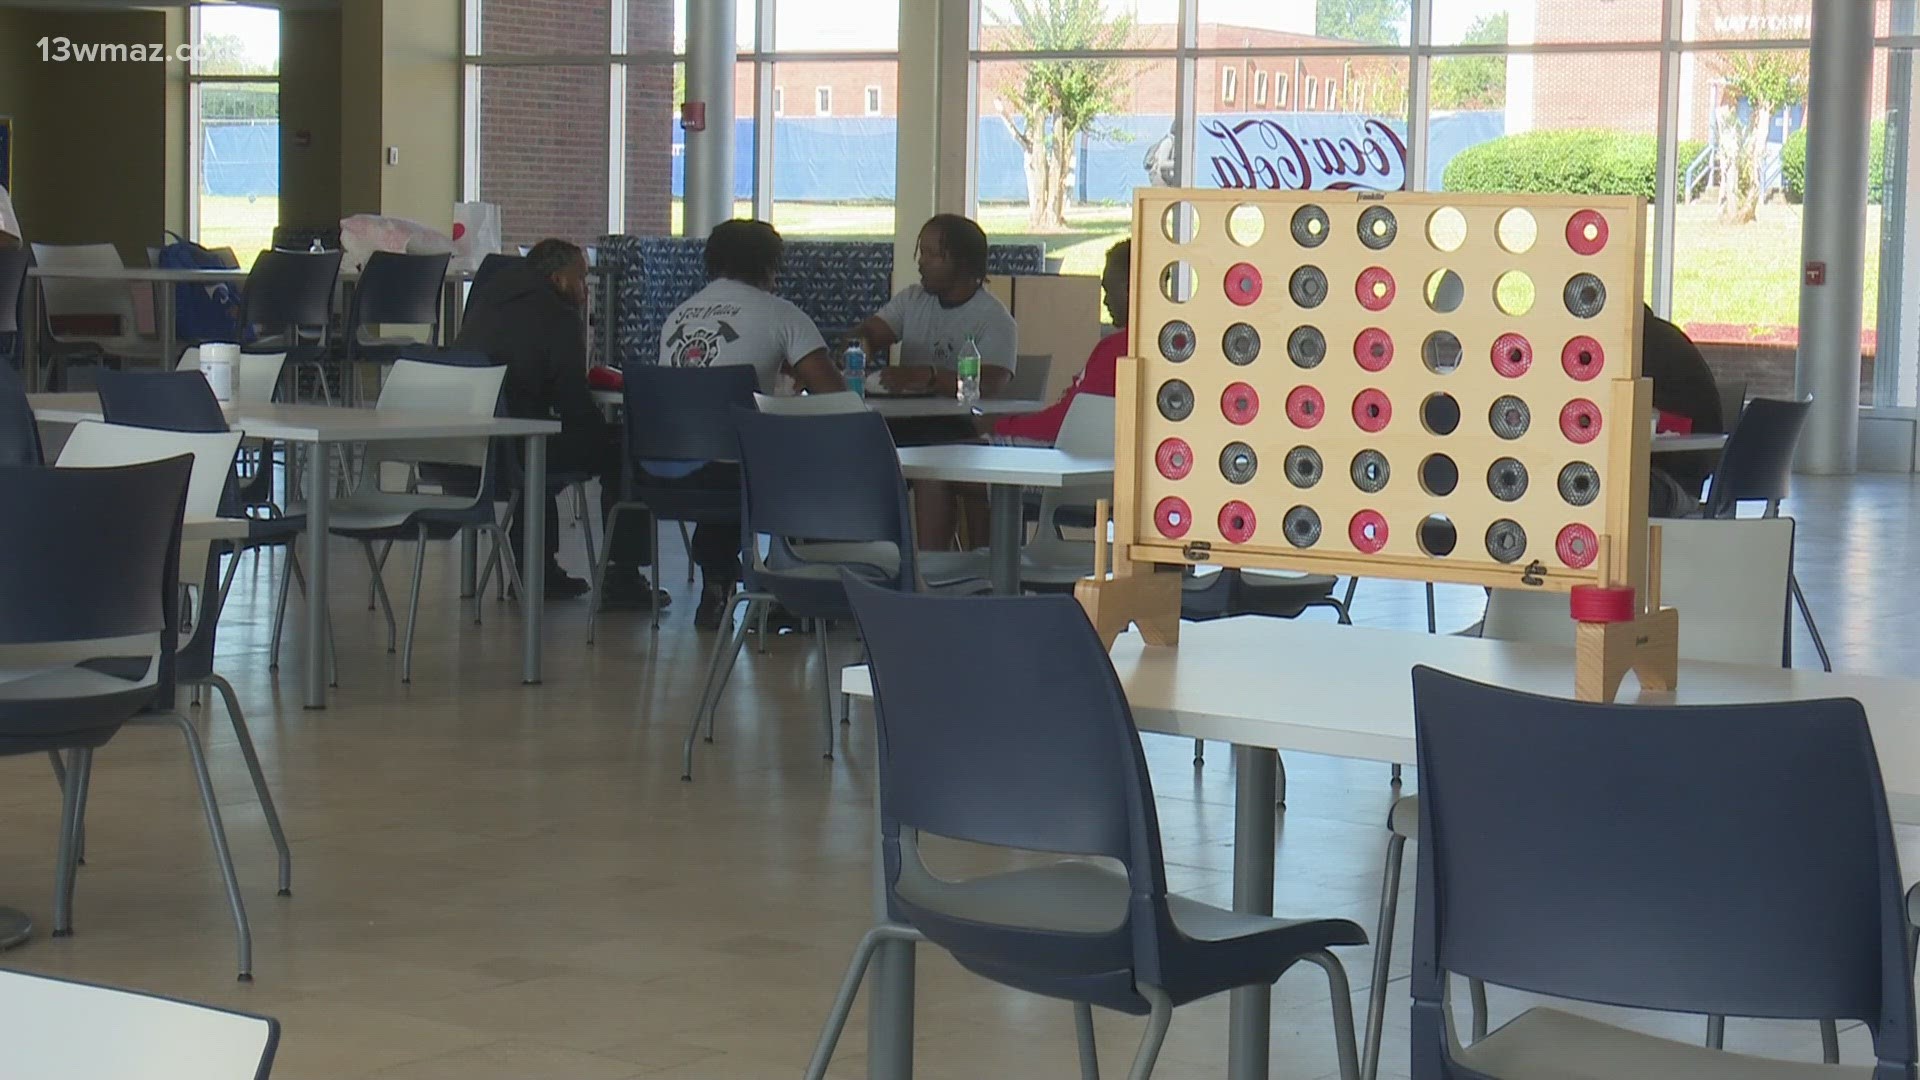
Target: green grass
x=243 y=224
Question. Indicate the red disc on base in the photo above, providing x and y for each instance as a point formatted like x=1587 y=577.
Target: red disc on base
x=1368 y=532
x=1593 y=604
x=1583 y=358
x=1587 y=232
x=1373 y=349
x=1577 y=546
x=1174 y=459
x=1243 y=283
x=1172 y=517
x=1305 y=407
x=1372 y=411
x=1236 y=522
x=1374 y=289
x=1240 y=403
x=1512 y=355
x=1580 y=421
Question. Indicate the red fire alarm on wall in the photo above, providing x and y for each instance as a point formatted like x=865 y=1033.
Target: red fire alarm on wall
x=693 y=116
x=1816 y=273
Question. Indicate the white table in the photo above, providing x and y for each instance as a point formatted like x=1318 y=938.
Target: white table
x=197 y=529
x=1267 y=685
x=898 y=407
x=1674 y=444
x=1007 y=471
x=163 y=313
x=320 y=426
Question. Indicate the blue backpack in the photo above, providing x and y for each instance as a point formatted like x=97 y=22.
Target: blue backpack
x=202 y=312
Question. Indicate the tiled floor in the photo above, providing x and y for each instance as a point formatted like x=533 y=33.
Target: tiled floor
x=500 y=881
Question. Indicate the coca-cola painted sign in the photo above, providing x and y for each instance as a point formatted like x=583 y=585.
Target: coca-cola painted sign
x=1266 y=153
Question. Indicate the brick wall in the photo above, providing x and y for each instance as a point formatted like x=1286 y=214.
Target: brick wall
x=543 y=130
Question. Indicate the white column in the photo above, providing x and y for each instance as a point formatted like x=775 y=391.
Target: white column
x=932 y=169
x=710 y=52
x=1834 y=228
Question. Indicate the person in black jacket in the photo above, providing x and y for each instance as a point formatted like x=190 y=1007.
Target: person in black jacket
x=531 y=317
x=1682 y=385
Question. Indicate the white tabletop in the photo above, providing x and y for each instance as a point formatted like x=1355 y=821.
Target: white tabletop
x=164 y=274
x=1673 y=444
x=901 y=407
x=320 y=423
x=1027 y=466
x=1347 y=691
x=215 y=528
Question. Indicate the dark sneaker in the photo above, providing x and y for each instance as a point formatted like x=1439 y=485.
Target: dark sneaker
x=710 y=613
x=561 y=585
x=624 y=585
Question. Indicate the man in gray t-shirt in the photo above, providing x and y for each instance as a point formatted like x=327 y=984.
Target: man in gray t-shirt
x=931 y=321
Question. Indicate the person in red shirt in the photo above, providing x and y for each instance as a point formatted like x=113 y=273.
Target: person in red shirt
x=1097 y=378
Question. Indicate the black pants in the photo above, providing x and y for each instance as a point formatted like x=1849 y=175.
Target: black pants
x=716 y=547
x=630 y=545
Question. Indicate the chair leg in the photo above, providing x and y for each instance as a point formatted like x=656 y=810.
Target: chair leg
x=1477 y=992
x=826 y=682
x=1806 y=613
x=413 y=603
x=1717 y=1032
x=653 y=568
x=1829 y=1042
x=1382 y=954
x=509 y=566
x=686 y=541
x=1199 y=752
x=64 y=872
x=716 y=679
x=849 y=989
x=267 y=809
x=1083 y=1033
x=242 y=935
x=1432 y=625
x=586 y=522
x=600 y=573
x=380 y=591
x=1342 y=1011
x=1162 y=1017
x=287 y=578
x=380 y=567
x=1347 y=600
x=233 y=567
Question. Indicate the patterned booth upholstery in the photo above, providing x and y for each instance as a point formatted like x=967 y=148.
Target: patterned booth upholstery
x=836 y=282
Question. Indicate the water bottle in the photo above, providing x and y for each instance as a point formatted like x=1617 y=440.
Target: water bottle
x=857 y=369
x=966 y=388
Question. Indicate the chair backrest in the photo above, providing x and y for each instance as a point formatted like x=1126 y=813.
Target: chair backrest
x=493 y=264
x=432 y=387
x=63 y=1029
x=685 y=414
x=1029 y=382
x=399 y=289
x=1757 y=463
x=822 y=478
x=172 y=400
x=67 y=296
x=1086 y=430
x=92 y=554
x=1727 y=578
x=95 y=445
x=256 y=381
x=840 y=401
x=1733 y=401
x=19 y=430
x=290 y=289
x=1766 y=885
x=1043 y=756
x=13 y=287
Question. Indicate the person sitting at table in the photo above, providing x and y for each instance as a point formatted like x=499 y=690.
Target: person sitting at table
x=1683 y=387
x=531 y=317
x=737 y=319
x=931 y=323
x=1097 y=377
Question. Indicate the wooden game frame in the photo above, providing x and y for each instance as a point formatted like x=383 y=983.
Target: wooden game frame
x=1143 y=586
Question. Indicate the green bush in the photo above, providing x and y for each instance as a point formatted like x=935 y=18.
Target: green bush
x=1793 y=163
x=1576 y=162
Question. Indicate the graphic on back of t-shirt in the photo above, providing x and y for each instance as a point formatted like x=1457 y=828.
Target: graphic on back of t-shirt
x=699 y=346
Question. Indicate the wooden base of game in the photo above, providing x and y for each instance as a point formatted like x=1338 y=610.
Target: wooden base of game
x=1649 y=646
x=1139 y=594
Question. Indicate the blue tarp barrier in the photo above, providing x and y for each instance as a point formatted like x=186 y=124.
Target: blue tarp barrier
x=240 y=158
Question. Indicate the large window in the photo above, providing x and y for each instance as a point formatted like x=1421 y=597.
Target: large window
x=833 y=170
x=236 y=111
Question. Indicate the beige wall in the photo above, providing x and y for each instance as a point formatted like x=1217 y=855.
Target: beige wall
x=310 y=94
x=361 y=35
x=408 y=98
x=93 y=141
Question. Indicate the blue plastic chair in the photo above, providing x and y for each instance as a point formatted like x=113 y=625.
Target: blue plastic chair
x=1043 y=756
x=288 y=301
x=823 y=493
x=13 y=293
x=19 y=430
x=1768 y=887
x=675 y=420
x=183 y=401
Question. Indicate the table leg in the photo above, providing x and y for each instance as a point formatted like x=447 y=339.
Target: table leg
x=1249 y=1016
x=469 y=560
x=889 y=983
x=1005 y=535
x=163 y=321
x=534 y=573
x=319 y=483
